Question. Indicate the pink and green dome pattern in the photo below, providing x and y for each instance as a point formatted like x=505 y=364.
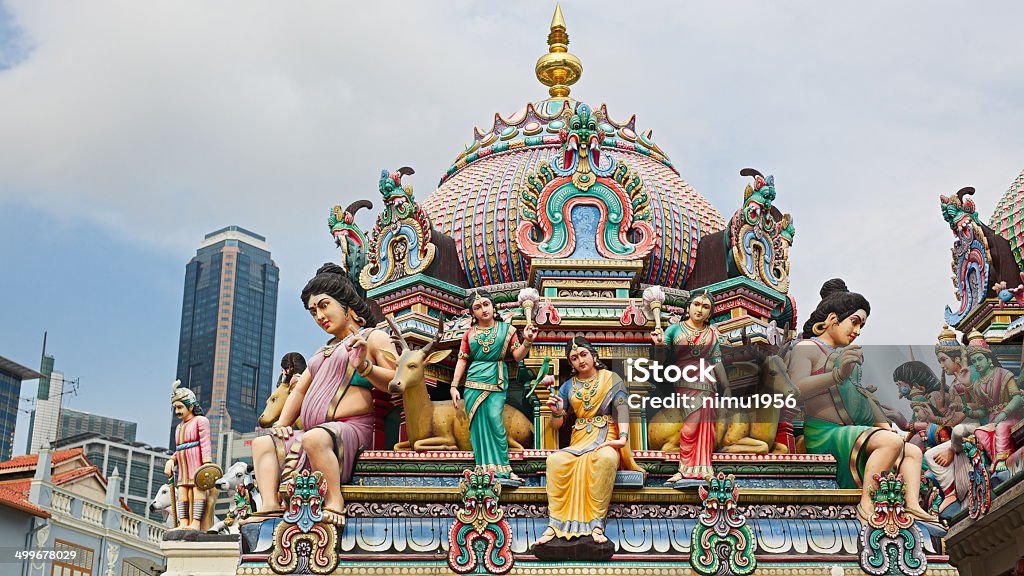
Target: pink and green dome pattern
x=1008 y=218
x=477 y=200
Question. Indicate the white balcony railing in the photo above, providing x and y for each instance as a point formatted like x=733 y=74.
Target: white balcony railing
x=144 y=531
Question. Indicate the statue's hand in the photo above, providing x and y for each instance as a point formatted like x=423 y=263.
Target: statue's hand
x=617 y=444
x=357 y=350
x=850 y=356
x=944 y=458
x=658 y=337
x=455 y=397
x=282 y=432
x=169 y=467
x=530 y=332
x=556 y=405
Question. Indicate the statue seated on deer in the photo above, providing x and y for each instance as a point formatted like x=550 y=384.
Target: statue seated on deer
x=437 y=425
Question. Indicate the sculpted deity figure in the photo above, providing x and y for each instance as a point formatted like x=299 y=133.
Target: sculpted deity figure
x=933 y=407
x=332 y=396
x=693 y=339
x=581 y=476
x=842 y=418
x=486 y=349
x=192 y=449
x=947 y=461
x=995 y=398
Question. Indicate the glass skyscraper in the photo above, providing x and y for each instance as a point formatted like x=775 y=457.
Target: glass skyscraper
x=228 y=317
x=11 y=375
x=73 y=423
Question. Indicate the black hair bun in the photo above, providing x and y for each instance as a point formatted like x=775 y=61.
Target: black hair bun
x=332 y=268
x=833 y=286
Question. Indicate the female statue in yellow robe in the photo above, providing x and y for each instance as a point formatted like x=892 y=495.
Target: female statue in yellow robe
x=581 y=476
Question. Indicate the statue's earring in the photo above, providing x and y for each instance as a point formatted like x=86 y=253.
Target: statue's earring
x=818 y=328
x=361 y=321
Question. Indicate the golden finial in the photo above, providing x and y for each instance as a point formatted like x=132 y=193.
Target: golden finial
x=558 y=69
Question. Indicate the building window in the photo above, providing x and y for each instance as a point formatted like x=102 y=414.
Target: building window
x=80 y=565
x=249 y=387
x=129 y=569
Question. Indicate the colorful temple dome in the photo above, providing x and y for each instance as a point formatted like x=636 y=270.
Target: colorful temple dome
x=1008 y=218
x=477 y=202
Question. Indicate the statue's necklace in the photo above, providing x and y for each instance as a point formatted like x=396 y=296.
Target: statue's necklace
x=485 y=337
x=585 y=391
x=697 y=337
x=329 y=348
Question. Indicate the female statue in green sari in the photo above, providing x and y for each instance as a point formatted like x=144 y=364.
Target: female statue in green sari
x=487 y=348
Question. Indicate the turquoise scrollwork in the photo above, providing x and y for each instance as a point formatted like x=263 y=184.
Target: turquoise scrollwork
x=480 y=539
x=400 y=242
x=548 y=228
x=721 y=542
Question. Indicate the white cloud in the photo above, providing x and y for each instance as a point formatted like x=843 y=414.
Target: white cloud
x=166 y=121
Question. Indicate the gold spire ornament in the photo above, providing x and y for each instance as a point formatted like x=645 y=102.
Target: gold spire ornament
x=558 y=69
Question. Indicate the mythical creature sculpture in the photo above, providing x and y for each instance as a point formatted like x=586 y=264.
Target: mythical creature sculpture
x=303 y=544
x=480 y=539
x=721 y=542
x=980 y=495
x=400 y=241
x=890 y=527
x=350 y=239
x=758 y=241
x=972 y=259
x=618 y=225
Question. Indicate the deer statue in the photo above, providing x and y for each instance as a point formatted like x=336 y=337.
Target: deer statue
x=275 y=405
x=437 y=425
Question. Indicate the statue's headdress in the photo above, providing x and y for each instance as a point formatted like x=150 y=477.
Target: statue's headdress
x=948 y=343
x=182 y=394
x=976 y=344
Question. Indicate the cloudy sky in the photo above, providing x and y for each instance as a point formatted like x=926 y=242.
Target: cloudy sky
x=129 y=130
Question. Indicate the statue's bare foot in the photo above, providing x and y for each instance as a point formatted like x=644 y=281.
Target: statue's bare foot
x=333 y=516
x=546 y=537
x=598 y=536
x=674 y=478
x=515 y=477
x=920 y=514
x=948 y=501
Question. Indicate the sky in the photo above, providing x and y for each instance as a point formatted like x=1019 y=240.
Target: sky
x=130 y=130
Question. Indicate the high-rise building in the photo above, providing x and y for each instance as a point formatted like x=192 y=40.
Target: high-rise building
x=73 y=423
x=45 y=420
x=228 y=318
x=11 y=376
